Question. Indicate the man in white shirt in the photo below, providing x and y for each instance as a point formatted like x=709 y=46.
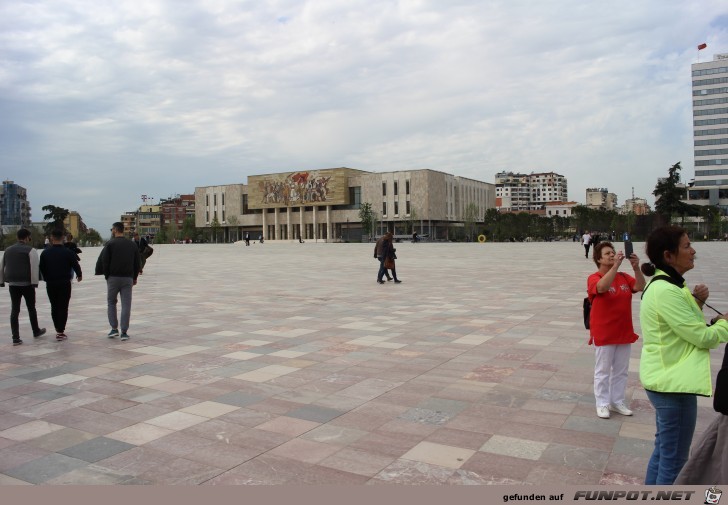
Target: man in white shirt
x=586 y=241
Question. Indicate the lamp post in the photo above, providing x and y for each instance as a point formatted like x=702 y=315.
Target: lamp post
x=347 y=229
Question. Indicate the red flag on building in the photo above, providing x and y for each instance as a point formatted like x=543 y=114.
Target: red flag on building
x=702 y=46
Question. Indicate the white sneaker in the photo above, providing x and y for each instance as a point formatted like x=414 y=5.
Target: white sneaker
x=620 y=408
x=603 y=412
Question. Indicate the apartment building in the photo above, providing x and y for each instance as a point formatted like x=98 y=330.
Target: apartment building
x=522 y=192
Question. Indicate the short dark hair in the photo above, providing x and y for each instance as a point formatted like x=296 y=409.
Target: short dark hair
x=665 y=238
x=57 y=234
x=23 y=233
x=118 y=226
x=597 y=253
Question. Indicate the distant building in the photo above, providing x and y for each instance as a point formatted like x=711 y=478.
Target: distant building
x=176 y=209
x=74 y=224
x=129 y=220
x=148 y=220
x=522 y=192
x=710 y=133
x=324 y=204
x=563 y=209
x=636 y=206
x=14 y=207
x=600 y=198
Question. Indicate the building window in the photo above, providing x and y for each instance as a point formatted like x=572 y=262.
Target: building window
x=384 y=188
x=396 y=204
x=384 y=208
x=223 y=199
x=396 y=190
x=214 y=200
x=223 y=216
x=407 y=187
x=407 y=207
x=207 y=200
x=207 y=216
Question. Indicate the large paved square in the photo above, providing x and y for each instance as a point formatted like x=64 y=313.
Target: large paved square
x=287 y=363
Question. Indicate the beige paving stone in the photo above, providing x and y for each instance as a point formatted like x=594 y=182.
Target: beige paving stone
x=30 y=430
x=177 y=420
x=145 y=381
x=210 y=409
x=438 y=454
x=139 y=434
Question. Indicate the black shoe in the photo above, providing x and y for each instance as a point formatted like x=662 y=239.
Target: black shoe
x=397 y=282
x=40 y=332
x=389 y=278
x=380 y=282
x=17 y=341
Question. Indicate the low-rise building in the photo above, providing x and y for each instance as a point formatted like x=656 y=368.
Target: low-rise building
x=324 y=204
x=600 y=198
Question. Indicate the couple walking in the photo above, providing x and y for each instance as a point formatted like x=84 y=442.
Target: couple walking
x=384 y=251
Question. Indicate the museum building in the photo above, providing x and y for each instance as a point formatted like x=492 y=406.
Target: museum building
x=324 y=205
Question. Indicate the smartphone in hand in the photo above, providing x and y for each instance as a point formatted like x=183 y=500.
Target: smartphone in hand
x=628 y=249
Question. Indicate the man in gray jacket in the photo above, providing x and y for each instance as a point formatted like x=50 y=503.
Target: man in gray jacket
x=121 y=264
x=19 y=268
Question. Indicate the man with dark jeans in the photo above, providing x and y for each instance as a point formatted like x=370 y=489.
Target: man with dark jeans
x=19 y=268
x=57 y=265
x=121 y=265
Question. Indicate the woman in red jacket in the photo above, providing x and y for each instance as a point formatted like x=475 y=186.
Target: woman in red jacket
x=610 y=327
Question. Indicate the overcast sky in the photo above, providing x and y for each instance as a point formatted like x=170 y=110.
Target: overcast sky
x=103 y=101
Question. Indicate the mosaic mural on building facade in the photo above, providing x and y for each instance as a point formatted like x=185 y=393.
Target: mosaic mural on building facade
x=310 y=187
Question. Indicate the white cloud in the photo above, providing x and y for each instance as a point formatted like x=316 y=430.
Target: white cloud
x=103 y=102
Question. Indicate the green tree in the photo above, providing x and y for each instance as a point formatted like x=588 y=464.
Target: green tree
x=215 y=228
x=189 y=231
x=669 y=196
x=56 y=215
x=90 y=237
x=368 y=219
x=470 y=217
x=233 y=222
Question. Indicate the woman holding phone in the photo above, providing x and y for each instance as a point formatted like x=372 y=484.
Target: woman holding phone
x=610 y=292
x=675 y=362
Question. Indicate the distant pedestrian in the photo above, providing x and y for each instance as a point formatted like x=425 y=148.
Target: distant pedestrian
x=145 y=250
x=379 y=254
x=19 y=268
x=57 y=266
x=388 y=251
x=586 y=242
x=260 y=238
x=121 y=265
x=247 y=238
x=71 y=245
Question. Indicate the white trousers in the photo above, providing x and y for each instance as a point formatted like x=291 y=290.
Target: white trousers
x=611 y=368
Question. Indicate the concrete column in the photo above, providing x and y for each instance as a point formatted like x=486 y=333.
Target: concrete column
x=315 y=223
x=300 y=223
x=276 y=232
x=265 y=224
x=328 y=224
x=290 y=224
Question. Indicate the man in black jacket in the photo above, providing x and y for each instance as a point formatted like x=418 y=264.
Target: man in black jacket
x=57 y=264
x=121 y=264
x=19 y=268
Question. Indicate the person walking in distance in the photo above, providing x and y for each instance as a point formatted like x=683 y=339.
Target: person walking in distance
x=143 y=247
x=19 y=268
x=379 y=254
x=586 y=242
x=247 y=238
x=121 y=265
x=57 y=265
x=389 y=256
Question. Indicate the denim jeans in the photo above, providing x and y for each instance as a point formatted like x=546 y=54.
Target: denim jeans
x=675 y=415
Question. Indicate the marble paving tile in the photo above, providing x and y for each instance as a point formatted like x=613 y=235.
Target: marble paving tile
x=509 y=446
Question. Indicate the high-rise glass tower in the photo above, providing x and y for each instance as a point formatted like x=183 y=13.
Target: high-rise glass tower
x=710 y=132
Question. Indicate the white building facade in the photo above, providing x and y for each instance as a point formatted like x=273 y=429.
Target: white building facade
x=521 y=192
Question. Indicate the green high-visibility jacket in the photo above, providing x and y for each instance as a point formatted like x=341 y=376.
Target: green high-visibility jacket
x=676 y=342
